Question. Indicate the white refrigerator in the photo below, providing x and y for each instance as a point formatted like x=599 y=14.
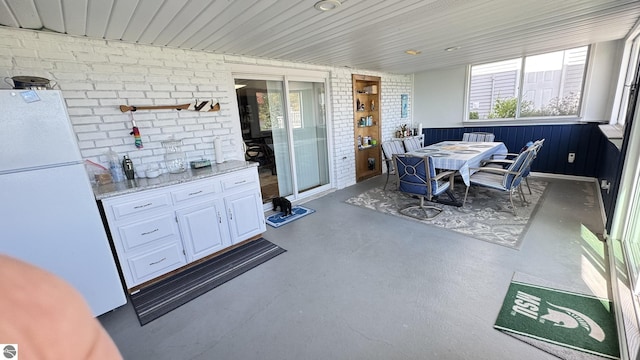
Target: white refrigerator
x=48 y=214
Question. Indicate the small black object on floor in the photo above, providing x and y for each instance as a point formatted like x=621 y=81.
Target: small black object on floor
x=158 y=299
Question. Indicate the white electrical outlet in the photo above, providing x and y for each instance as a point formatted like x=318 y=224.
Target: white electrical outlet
x=572 y=158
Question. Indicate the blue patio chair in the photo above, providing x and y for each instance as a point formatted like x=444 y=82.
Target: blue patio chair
x=509 y=158
x=478 y=137
x=389 y=148
x=508 y=179
x=417 y=177
x=412 y=143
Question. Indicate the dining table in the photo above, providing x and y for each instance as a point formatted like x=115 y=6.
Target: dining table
x=461 y=156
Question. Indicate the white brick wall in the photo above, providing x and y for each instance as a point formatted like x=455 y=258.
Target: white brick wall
x=96 y=76
x=391 y=87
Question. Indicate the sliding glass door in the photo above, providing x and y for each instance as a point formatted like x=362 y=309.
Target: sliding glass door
x=309 y=131
x=284 y=129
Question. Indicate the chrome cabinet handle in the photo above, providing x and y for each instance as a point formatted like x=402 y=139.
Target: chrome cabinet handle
x=149 y=232
x=195 y=193
x=219 y=218
x=157 y=262
x=240 y=182
x=142 y=206
x=230 y=214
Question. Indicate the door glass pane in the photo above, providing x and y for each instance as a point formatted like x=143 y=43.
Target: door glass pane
x=263 y=124
x=307 y=111
x=279 y=137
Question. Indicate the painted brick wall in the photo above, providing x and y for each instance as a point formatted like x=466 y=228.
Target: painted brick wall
x=97 y=76
x=391 y=87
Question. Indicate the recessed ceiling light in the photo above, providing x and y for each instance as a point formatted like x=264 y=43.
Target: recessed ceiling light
x=453 y=48
x=326 y=5
x=413 y=52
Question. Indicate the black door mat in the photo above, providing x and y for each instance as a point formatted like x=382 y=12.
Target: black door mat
x=158 y=299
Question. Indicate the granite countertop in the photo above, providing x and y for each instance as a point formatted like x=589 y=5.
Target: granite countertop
x=139 y=184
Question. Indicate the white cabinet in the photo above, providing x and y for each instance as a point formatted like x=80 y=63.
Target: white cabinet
x=243 y=213
x=159 y=230
x=145 y=235
x=203 y=229
x=243 y=205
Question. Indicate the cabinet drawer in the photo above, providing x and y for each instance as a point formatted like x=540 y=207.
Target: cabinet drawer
x=197 y=191
x=244 y=178
x=146 y=231
x=153 y=202
x=155 y=263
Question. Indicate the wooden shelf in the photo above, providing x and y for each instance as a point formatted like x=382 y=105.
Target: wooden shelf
x=367 y=156
x=366 y=147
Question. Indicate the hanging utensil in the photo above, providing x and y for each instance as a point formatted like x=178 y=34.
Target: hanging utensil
x=136 y=133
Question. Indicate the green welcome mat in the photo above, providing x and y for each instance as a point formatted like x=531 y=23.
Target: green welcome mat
x=576 y=321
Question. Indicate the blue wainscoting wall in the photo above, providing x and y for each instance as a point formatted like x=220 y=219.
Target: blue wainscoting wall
x=609 y=158
x=596 y=157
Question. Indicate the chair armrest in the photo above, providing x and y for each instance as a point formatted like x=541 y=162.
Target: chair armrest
x=449 y=173
x=442 y=174
x=500 y=171
x=496 y=161
x=506 y=155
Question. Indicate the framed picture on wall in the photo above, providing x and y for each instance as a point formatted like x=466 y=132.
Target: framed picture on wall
x=404 y=105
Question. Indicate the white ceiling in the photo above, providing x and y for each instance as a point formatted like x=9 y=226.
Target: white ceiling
x=362 y=34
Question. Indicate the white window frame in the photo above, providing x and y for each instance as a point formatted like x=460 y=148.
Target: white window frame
x=625 y=77
x=530 y=119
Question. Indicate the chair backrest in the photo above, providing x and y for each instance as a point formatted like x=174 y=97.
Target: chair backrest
x=415 y=174
x=535 y=147
x=538 y=145
x=411 y=143
x=391 y=147
x=517 y=169
x=478 y=137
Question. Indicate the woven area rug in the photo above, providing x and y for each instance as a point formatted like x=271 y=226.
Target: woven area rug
x=487 y=215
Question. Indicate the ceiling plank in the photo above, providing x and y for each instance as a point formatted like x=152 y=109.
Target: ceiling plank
x=142 y=16
x=75 y=16
x=121 y=14
x=206 y=15
x=234 y=25
x=366 y=34
x=168 y=21
x=223 y=19
x=51 y=14
x=263 y=27
x=25 y=13
x=98 y=13
x=6 y=15
x=359 y=26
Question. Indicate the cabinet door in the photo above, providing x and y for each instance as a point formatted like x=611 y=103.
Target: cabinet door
x=245 y=215
x=203 y=229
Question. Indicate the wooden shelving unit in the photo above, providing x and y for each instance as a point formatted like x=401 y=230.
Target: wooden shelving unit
x=366 y=122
